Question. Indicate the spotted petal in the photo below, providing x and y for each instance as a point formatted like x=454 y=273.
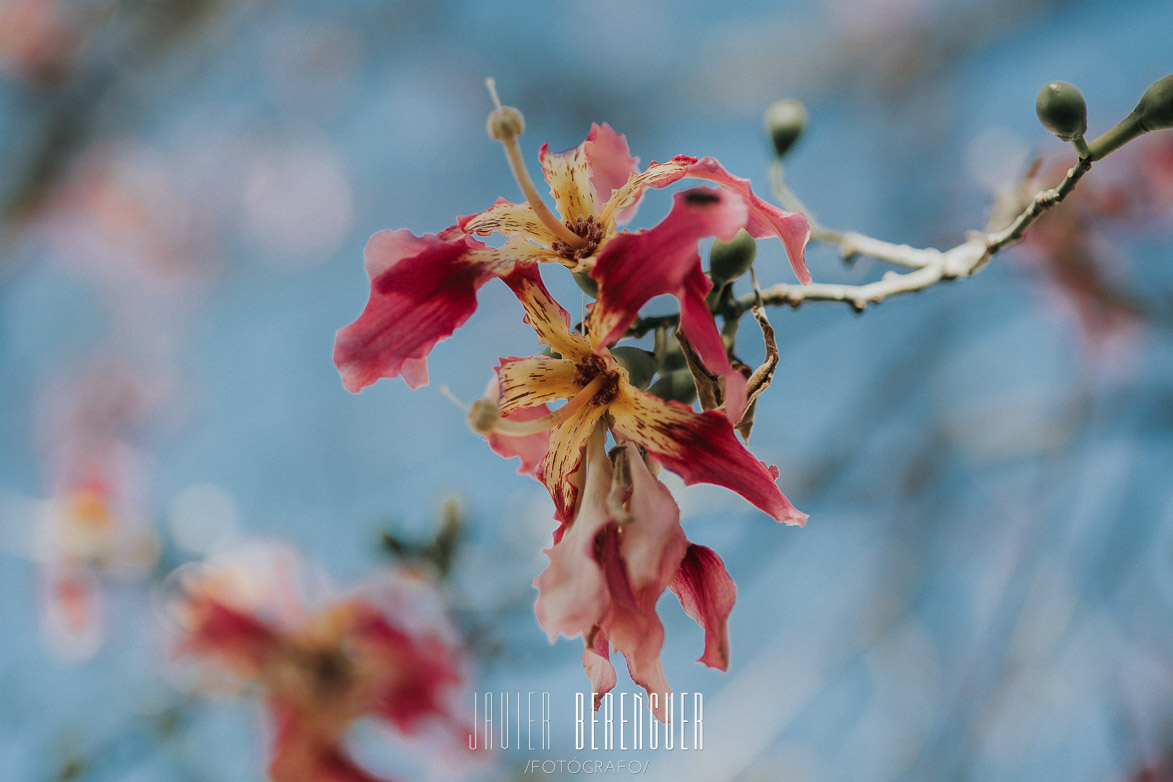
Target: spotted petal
x=566 y=446
x=509 y=219
x=525 y=382
x=701 y=448
x=548 y=319
x=569 y=177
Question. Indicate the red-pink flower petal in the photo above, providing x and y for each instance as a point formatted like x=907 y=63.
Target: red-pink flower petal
x=634 y=267
x=707 y=593
x=653 y=543
x=764 y=219
x=530 y=448
x=596 y=660
x=632 y=624
x=572 y=596
x=422 y=289
x=609 y=161
x=700 y=448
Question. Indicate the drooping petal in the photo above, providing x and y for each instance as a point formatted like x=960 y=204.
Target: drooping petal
x=697 y=324
x=707 y=594
x=765 y=219
x=548 y=319
x=596 y=660
x=609 y=161
x=634 y=267
x=422 y=289
x=700 y=448
x=562 y=460
x=525 y=382
x=572 y=596
x=653 y=543
x=569 y=177
x=509 y=219
x=632 y=625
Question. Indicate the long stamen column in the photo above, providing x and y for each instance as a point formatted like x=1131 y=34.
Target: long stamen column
x=505 y=124
x=485 y=416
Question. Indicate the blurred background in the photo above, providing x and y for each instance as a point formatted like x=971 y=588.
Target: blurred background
x=984 y=590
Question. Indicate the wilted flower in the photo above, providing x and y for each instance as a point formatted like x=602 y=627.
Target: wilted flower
x=611 y=562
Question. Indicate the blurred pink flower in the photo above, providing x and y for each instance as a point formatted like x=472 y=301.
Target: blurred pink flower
x=319 y=667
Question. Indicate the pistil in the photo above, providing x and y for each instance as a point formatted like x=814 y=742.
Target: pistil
x=505 y=125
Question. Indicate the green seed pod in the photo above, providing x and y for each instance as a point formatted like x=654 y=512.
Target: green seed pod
x=729 y=260
x=1062 y=110
x=1155 y=109
x=639 y=363
x=677 y=386
x=784 y=122
x=588 y=284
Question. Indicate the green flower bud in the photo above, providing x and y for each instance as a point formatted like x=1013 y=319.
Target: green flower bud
x=588 y=284
x=784 y=122
x=1155 y=109
x=677 y=386
x=1062 y=110
x=639 y=363
x=729 y=260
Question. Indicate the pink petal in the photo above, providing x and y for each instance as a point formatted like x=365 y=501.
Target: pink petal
x=707 y=593
x=634 y=267
x=609 y=161
x=700 y=448
x=597 y=663
x=653 y=543
x=572 y=596
x=764 y=219
x=530 y=448
x=632 y=624
x=422 y=290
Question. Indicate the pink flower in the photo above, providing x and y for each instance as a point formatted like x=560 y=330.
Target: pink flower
x=611 y=562
x=424 y=288
x=700 y=447
x=318 y=669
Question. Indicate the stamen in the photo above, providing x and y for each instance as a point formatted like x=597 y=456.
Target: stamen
x=521 y=428
x=505 y=124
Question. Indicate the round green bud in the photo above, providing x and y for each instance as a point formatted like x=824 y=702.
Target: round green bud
x=1062 y=110
x=639 y=363
x=677 y=386
x=729 y=260
x=1155 y=109
x=588 y=284
x=784 y=122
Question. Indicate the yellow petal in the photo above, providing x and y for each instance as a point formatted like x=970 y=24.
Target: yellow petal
x=511 y=220
x=569 y=179
x=549 y=320
x=526 y=382
x=566 y=444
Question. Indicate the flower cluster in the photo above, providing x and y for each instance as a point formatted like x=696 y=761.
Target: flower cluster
x=619 y=543
x=318 y=668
